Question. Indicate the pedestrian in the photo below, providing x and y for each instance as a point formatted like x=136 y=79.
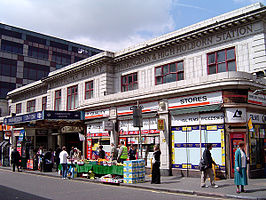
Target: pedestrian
x=156 y=175
x=114 y=152
x=71 y=153
x=122 y=155
x=241 y=160
x=77 y=154
x=63 y=161
x=15 y=157
x=208 y=169
x=40 y=155
x=101 y=152
x=132 y=152
x=57 y=159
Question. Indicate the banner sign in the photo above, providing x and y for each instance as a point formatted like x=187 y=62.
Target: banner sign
x=97 y=114
x=23 y=118
x=256 y=118
x=236 y=115
x=196 y=100
x=196 y=119
x=146 y=107
x=41 y=115
x=258 y=99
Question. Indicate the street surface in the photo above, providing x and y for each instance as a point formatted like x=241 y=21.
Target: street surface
x=25 y=186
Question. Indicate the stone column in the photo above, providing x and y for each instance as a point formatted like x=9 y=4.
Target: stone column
x=113 y=133
x=165 y=139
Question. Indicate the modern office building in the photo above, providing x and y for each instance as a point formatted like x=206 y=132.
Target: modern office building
x=200 y=84
x=27 y=56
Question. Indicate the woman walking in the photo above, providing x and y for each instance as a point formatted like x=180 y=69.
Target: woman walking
x=240 y=168
x=156 y=176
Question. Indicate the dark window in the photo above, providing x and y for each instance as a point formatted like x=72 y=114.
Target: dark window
x=169 y=73
x=57 y=100
x=8 y=67
x=11 y=47
x=35 y=39
x=129 y=82
x=59 y=45
x=31 y=106
x=75 y=49
x=78 y=58
x=35 y=71
x=221 y=61
x=10 y=33
x=44 y=103
x=72 y=97
x=89 y=90
x=18 y=108
x=61 y=58
x=5 y=88
x=38 y=53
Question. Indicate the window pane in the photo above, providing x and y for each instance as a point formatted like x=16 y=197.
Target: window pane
x=222 y=67
x=180 y=66
x=158 y=71
x=135 y=86
x=232 y=66
x=220 y=56
x=230 y=54
x=170 y=78
x=91 y=94
x=135 y=77
x=124 y=88
x=212 y=69
x=130 y=87
x=165 y=69
x=130 y=79
x=158 y=80
x=173 y=67
x=124 y=80
x=211 y=58
x=180 y=76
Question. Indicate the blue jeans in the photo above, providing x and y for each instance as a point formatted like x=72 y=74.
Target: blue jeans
x=64 y=170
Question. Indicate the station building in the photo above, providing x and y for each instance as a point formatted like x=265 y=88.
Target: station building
x=202 y=83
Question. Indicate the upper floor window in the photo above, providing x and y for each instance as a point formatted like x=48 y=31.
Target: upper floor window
x=39 y=53
x=8 y=67
x=35 y=71
x=18 y=108
x=10 y=33
x=61 y=58
x=44 y=103
x=35 y=39
x=129 y=82
x=11 y=47
x=169 y=73
x=57 y=100
x=59 y=45
x=31 y=106
x=222 y=61
x=89 y=90
x=5 y=87
x=72 y=97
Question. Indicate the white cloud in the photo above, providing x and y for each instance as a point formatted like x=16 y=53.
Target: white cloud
x=106 y=24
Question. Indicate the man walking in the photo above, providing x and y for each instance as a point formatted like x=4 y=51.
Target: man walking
x=122 y=156
x=15 y=157
x=63 y=161
x=208 y=171
x=114 y=152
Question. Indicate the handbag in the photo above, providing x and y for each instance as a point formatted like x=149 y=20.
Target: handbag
x=202 y=165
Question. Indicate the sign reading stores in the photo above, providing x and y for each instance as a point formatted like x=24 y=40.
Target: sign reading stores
x=196 y=100
x=197 y=119
x=259 y=99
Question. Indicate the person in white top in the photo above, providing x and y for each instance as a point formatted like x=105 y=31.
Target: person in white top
x=63 y=161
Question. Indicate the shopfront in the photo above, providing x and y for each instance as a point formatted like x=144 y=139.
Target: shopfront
x=96 y=133
x=149 y=133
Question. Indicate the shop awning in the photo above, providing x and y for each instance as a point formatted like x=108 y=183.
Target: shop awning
x=196 y=109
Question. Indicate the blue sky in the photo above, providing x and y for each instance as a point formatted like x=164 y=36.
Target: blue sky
x=111 y=24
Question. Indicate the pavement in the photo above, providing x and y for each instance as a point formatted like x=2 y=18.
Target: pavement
x=256 y=188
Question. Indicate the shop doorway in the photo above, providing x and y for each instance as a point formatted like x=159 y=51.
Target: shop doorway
x=235 y=138
x=72 y=140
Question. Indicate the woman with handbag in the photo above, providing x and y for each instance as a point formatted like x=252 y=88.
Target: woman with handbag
x=240 y=168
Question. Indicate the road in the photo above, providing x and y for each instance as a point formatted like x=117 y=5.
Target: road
x=26 y=186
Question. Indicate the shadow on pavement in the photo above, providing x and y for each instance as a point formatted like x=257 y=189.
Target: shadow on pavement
x=7 y=193
x=255 y=190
